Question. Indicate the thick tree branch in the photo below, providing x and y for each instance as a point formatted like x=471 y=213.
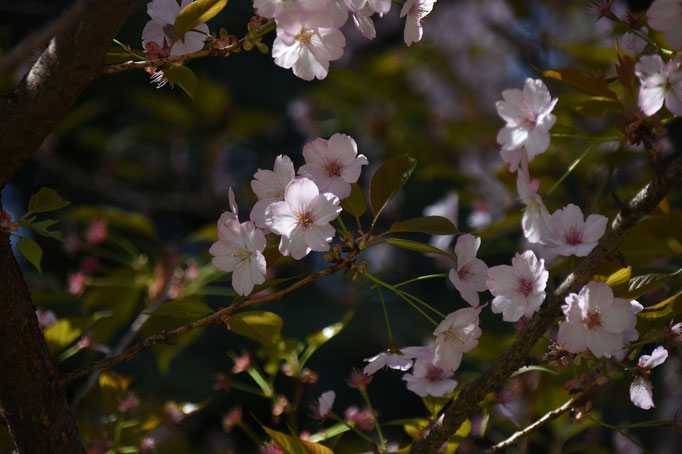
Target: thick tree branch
x=221 y=317
x=516 y=355
x=40 y=38
x=34 y=403
x=547 y=417
x=73 y=58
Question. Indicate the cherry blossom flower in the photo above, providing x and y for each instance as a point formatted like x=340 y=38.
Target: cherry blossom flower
x=362 y=17
x=269 y=186
x=307 y=43
x=529 y=119
x=324 y=404
x=428 y=379
x=666 y=16
x=536 y=221
x=275 y=8
x=519 y=289
x=97 y=232
x=660 y=83
x=239 y=250
x=597 y=321
x=333 y=164
x=303 y=218
x=415 y=10
x=457 y=334
x=471 y=273
x=360 y=419
x=393 y=359
x=641 y=390
x=160 y=28
x=571 y=235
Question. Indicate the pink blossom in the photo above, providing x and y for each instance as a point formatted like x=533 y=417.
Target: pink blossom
x=457 y=334
x=597 y=321
x=660 y=83
x=428 y=379
x=239 y=250
x=519 y=289
x=333 y=164
x=380 y=6
x=415 y=10
x=160 y=28
x=536 y=221
x=307 y=43
x=303 y=218
x=324 y=404
x=269 y=186
x=641 y=390
x=362 y=17
x=77 y=283
x=393 y=359
x=571 y=235
x=528 y=117
x=232 y=418
x=470 y=276
x=666 y=16
x=97 y=231
x=361 y=419
x=45 y=318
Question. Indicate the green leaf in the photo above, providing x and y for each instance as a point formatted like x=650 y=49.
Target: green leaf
x=387 y=181
x=41 y=228
x=263 y=327
x=196 y=14
x=433 y=225
x=183 y=308
x=46 y=199
x=525 y=369
x=582 y=81
x=316 y=340
x=598 y=107
x=639 y=285
x=66 y=330
x=182 y=76
x=294 y=445
x=32 y=251
x=355 y=203
x=417 y=246
x=660 y=313
x=117 y=219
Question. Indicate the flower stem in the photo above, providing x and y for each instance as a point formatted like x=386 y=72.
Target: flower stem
x=365 y=396
x=388 y=324
x=420 y=278
x=573 y=166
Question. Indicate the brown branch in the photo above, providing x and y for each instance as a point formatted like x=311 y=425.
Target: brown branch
x=71 y=61
x=40 y=38
x=517 y=354
x=219 y=317
x=547 y=417
x=212 y=52
x=33 y=402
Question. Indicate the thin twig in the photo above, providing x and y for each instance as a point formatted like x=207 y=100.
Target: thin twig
x=549 y=416
x=162 y=62
x=219 y=317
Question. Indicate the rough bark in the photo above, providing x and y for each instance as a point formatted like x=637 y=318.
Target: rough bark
x=73 y=58
x=516 y=355
x=35 y=407
x=34 y=403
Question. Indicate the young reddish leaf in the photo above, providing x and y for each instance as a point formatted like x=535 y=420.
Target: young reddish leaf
x=432 y=225
x=582 y=81
x=387 y=181
x=197 y=13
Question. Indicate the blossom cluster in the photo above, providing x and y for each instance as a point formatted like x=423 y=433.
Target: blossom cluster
x=309 y=33
x=297 y=208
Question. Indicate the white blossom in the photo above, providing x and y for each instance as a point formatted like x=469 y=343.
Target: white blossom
x=536 y=221
x=528 y=117
x=303 y=218
x=573 y=235
x=519 y=289
x=428 y=379
x=458 y=333
x=471 y=273
x=160 y=28
x=641 y=390
x=269 y=186
x=597 y=321
x=660 y=83
x=390 y=358
x=666 y=16
x=415 y=10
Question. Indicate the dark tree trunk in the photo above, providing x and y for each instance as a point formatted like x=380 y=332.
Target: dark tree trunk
x=36 y=410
